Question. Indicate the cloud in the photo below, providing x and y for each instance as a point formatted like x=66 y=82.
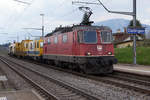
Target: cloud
x=148 y=10
x=146 y=21
x=15 y=16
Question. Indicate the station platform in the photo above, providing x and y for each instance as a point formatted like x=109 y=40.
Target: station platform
x=135 y=69
x=19 y=95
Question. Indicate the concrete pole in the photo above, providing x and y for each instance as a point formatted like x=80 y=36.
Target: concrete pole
x=42 y=25
x=134 y=25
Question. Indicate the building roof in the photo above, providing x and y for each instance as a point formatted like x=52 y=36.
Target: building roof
x=125 y=37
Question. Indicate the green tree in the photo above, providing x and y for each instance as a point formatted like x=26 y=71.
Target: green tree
x=138 y=23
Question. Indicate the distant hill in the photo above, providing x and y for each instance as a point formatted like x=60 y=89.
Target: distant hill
x=116 y=24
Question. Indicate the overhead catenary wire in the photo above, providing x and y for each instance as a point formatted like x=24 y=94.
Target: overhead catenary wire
x=16 y=19
x=22 y=2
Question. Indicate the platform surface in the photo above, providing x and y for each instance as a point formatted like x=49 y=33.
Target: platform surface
x=136 y=69
x=19 y=95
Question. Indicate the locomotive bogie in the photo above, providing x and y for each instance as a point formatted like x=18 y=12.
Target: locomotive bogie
x=87 y=64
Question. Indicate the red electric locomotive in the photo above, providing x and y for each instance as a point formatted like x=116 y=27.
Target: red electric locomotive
x=85 y=48
x=81 y=47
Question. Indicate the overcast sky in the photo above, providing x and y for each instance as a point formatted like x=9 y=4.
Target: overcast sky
x=15 y=16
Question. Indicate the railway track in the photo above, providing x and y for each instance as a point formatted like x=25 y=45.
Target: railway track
x=130 y=81
x=127 y=81
x=66 y=91
x=40 y=89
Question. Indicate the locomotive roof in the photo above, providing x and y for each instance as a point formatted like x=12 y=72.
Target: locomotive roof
x=61 y=30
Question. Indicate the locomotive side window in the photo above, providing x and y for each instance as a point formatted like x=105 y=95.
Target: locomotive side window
x=73 y=36
x=65 y=38
x=49 y=41
x=26 y=45
x=55 y=40
x=90 y=37
x=106 y=37
x=30 y=45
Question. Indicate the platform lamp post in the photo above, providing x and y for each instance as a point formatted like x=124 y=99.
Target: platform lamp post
x=133 y=14
x=42 y=24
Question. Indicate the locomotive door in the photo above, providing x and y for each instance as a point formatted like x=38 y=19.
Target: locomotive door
x=75 y=46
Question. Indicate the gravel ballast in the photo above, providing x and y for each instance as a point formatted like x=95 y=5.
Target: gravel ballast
x=99 y=89
x=16 y=82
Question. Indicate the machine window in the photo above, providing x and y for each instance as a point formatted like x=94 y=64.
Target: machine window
x=25 y=45
x=41 y=45
x=106 y=37
x=37 y=44
x=65 y=38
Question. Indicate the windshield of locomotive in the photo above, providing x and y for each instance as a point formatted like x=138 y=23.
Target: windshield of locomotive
x=87 y=36
x=106 y=37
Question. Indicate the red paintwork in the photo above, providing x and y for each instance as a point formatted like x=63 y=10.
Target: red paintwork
x=72 y=47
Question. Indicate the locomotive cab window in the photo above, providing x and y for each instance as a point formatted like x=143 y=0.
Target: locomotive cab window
x=87 y=37
x=80 y=36
x=90 y=37
x=106 y=37
x=55 y=40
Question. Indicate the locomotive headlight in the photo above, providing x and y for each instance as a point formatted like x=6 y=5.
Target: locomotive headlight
x=109 y=53
x=88 y=53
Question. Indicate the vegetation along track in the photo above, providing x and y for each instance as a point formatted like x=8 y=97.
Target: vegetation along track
x=130 y=81
x=65 y=91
